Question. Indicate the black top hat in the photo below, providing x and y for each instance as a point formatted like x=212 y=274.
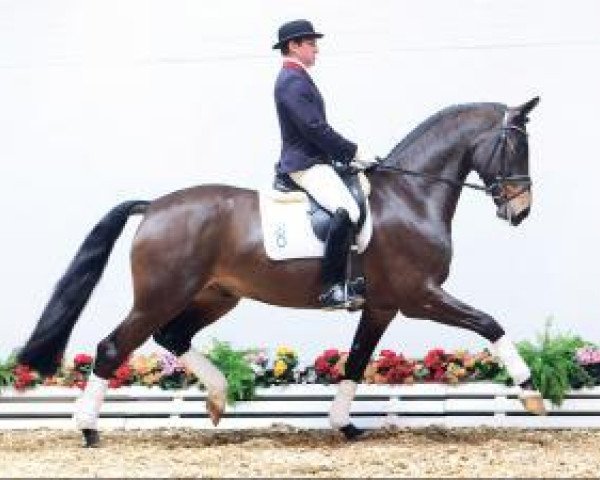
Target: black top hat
x=295 y=29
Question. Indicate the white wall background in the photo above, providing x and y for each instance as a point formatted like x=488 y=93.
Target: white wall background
x=104 y=101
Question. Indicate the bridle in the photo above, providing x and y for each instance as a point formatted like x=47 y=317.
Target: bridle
x=497 y=189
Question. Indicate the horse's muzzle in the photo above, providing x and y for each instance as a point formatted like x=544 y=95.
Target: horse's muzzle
x=515 y=210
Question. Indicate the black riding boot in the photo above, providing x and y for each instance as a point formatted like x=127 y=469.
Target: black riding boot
x=337 y=247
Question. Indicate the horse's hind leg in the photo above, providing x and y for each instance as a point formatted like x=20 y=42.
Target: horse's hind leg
x=110 y=354
x=176 y=336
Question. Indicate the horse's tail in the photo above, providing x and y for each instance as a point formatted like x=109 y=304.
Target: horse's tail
x=44 y=349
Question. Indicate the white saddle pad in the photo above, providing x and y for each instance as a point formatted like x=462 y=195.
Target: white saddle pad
x=287 y=230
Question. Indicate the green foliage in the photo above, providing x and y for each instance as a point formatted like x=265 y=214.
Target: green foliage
x=238 y=372
x=177 y=380
x=7 y=374
x=554 y=369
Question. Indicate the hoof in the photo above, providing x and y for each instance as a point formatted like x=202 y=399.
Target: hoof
x=215 y=410
x=533 y=403
x=91 y=438
x=351 y=432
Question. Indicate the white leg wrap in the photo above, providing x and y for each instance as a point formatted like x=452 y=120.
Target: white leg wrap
x=210 y=376
x=339 y=415
x=87 y=406
x=505 y=349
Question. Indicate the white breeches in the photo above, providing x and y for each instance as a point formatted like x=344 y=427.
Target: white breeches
x=327 y=188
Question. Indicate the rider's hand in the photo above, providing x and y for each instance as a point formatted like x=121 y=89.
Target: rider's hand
x=364 y=160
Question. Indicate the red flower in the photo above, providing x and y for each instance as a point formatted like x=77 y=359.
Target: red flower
x=321 y=365
x=434 y=358
x=83 y=359
x=438 y=374
x=22 y=370
x=123 y=373
x=332 y=355
x=25 y=377
x=387 y=354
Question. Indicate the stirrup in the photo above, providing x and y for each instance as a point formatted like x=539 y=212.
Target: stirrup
x=341 y=296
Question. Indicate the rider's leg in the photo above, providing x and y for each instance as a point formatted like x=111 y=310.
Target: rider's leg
x=326 y=187
x=335 y=260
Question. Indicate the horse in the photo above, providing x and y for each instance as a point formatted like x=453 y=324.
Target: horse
x=198 y=251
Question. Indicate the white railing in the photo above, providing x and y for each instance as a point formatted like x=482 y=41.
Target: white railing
x=304 y=406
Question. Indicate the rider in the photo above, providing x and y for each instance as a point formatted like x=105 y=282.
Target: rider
x=309 y=145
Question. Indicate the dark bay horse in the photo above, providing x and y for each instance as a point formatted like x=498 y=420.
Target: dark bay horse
x=198 y=251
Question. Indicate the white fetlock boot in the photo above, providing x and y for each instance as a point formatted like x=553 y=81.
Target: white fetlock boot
x=505 y=349
x=87 y=409
x=212 y=378
x=339 y=414
x=87 y=405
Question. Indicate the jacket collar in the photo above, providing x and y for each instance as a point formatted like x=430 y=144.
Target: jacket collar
x=290 y=62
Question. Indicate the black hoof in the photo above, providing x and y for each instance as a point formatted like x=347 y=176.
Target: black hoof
x=351 y=432
x=91 y=438
x=527 y=384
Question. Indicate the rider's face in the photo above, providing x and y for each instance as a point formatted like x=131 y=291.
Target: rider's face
x=304 y=51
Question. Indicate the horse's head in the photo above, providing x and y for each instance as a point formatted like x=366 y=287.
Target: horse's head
x=501 y=157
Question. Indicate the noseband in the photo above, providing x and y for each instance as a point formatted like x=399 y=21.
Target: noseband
x=497 y=188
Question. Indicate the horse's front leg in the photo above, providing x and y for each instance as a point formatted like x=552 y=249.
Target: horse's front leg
x=371 y=327
x=440 y=306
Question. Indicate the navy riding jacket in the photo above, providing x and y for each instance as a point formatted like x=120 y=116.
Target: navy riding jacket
x=307 y=138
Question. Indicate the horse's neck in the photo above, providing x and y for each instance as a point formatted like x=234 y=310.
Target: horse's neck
x=441 y=151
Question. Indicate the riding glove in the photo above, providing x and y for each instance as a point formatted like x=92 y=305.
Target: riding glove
x=364 y=160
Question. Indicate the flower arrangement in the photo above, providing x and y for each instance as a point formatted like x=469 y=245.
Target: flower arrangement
x=589 y=359
x=283 y=368
x=554 y=365
x=25 y=377
x=329 y=366
x=436 y=366
x=392 y=368
x=558 y=363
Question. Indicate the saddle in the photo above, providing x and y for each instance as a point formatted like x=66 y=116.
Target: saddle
x=355 y=181
x=320 y=219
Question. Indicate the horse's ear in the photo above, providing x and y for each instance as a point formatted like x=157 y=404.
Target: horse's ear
x=523 y=110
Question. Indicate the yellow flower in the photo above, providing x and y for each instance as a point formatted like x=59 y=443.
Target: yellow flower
x=284 y=350
x=154 y=361
x=140 y=365
x=279 y=368
x=460 y=353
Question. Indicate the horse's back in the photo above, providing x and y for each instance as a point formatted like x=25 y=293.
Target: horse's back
x=201 y=221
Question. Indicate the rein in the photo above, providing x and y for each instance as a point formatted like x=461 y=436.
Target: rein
x=492 y=189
